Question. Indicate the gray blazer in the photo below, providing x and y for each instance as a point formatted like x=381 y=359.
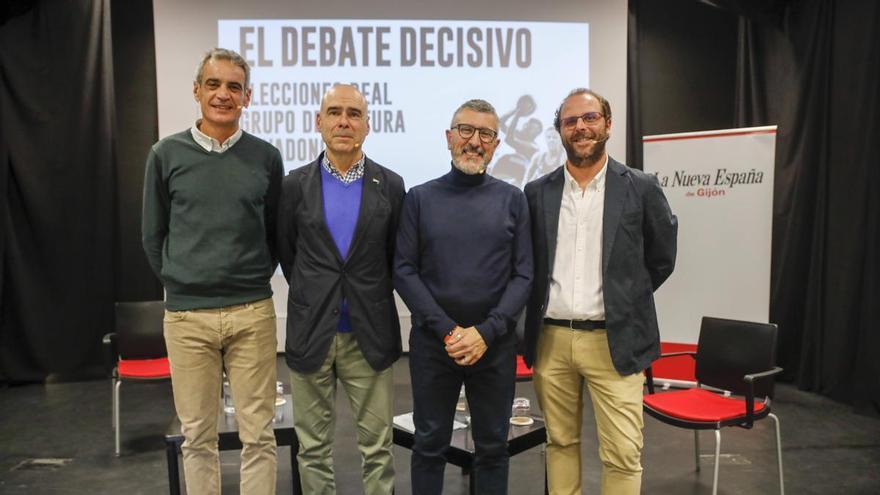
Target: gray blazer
x=319 y=277
x=638 y=253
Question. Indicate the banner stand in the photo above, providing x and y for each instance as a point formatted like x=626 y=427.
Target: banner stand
x=720 y=185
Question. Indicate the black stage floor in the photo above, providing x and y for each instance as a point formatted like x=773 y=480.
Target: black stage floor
x=65 y=427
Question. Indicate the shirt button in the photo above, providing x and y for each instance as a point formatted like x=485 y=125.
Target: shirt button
x=335 y=311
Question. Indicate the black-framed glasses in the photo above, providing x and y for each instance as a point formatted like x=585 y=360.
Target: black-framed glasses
x=466 y=131
x=588 y=118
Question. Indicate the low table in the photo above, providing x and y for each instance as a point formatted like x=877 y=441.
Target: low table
x=227 y=429
x=461 y=449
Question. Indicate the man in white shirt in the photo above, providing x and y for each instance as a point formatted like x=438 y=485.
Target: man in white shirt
x=604 y=240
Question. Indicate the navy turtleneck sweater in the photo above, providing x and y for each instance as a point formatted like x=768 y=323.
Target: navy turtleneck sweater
x=464 y=255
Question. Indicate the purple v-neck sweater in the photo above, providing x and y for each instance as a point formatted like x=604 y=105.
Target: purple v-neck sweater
x=342 y=204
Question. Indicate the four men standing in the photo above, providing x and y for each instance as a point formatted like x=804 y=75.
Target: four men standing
x=459 y=250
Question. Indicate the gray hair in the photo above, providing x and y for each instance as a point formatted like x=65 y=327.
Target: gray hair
x=606 y=107
x=224 y=54
x=481 y=106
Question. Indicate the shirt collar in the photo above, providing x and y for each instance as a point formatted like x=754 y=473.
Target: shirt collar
x=596 y=184
x=211 y=144
x=353 y=174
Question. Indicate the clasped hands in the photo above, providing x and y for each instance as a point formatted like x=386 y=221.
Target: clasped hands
x=465 y=345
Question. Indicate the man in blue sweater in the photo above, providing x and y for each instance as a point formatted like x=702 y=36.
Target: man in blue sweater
x=336 y=229
x=463 y=265
x=210 y=199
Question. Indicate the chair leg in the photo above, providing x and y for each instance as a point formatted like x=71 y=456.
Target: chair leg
x=697 y=449
x=116 y=413
x=113 y=402
x=778 y=453
x=717 y=462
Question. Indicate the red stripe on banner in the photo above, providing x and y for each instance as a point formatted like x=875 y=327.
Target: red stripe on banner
x=678 y=367
x=703 y=136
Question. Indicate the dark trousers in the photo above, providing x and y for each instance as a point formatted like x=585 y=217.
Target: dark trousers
x=436 y=382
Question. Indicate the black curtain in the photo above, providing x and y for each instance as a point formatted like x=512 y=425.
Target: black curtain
x=57 y=207
x=813 y=67
x=137 y=120
x=681 y=68
x=634 y=151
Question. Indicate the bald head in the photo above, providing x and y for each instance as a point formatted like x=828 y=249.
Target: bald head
x=343 y=122
x=343 y=91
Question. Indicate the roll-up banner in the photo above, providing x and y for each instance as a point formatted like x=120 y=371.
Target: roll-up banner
x=720 y=185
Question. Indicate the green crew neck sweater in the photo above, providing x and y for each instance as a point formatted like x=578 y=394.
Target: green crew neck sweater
x=209 y=220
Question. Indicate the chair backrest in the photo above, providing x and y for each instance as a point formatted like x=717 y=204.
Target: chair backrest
x=729 y=349
x=139 y=330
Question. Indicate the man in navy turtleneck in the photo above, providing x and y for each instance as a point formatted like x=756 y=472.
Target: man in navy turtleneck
x=463 y=265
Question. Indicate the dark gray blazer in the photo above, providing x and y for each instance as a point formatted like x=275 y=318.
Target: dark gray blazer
x=638 y=253
x=319 y=277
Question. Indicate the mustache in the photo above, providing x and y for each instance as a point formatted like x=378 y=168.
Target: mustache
x=592 y=136
x=474 y=149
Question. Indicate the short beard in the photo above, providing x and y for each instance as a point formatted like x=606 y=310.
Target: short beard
x=468 y=168
x=586 y=160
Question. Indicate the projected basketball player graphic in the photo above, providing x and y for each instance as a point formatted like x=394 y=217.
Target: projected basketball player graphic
x=546 y=161
x=512 y=167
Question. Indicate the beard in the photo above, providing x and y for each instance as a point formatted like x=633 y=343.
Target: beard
x=468 y=166
x=585 y=158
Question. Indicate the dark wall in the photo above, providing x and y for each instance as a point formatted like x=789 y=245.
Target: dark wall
x=687 y=64
x=134 y=70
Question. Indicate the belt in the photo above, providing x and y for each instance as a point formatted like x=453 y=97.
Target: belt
x=576 y=324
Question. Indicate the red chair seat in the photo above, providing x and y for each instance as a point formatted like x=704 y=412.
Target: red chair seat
x=698 y=404
x=144 y=368
x=522 y=371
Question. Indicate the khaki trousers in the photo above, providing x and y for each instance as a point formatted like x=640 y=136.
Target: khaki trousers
x=567 y=359
x=314 y=418
x=201 y=344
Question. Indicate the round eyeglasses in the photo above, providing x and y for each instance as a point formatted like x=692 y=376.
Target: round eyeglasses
x=466 y=131
x=588 y=118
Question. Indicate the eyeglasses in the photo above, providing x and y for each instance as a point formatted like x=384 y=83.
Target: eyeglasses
x=466 y=131
x=589 y=118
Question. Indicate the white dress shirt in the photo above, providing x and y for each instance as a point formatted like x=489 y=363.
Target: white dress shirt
x=211 y=144
x=576 y=283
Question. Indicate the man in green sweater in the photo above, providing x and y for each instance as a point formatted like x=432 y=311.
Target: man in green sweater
x=210 y=200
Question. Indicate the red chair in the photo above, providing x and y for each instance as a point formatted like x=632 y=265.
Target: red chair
x=734 y=356
x=523 y=372
x=136 y=350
